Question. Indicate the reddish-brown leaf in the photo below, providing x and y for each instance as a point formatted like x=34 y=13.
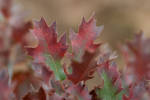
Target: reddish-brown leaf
x=5 y=7
x=84 y=39
x=79 y=91
x=137 y=57
x=5 y=90
x=137 y=91
x=94 y=95
x=39 y=95
x=54 y=96
x=24 y=83
x=43 y=72
x=112 y=84
x=18 y=33
x=48 y=43
x=82 y=71
x=112 y=81
x=126 y=98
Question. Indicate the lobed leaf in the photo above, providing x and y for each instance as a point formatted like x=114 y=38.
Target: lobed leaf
x=137 y=59
x=47 y=38
x=112 y=85
x=82 y=71
x=108 y=91
x=84 y=39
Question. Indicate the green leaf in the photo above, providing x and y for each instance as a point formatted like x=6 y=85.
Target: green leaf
x=55 y=66
x=108 y=92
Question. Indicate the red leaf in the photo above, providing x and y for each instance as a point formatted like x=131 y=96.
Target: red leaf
x=5 y=7
x=79 y=91
x=24 y=83
x=137 y=91
x=1 y=43
x=36 y=53
x=126 y=98
x=53 y=96
x=18 y=33
x=5 y=89
x=137 y=57
x=94 y=95
x=47 y=37
x=84 y=70
x=110 y=68
x=39 y=95
x=84 y=39
x=42 y=72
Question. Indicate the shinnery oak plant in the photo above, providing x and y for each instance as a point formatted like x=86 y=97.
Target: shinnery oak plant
x=58 y=70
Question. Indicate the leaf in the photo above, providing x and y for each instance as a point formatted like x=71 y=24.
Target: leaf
x=36 y=53
x=48 y=46
x=5 y=7
x=39 y=95
x=5 y=89
x=58 y=87
x=79 y=91
x=126 y=98
x=47 y=38
x=42 y=71
x=11 y=61
x=19 y=30
x=112 y=85
x=55 y=66
x=137 y=56
x=137 y=91
x=82 y=71
x=53 y=96
x=94 y=95
x=83 y=44
x=108 y=91
x=24 y=82
x=84 y=39
x=18 y=33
